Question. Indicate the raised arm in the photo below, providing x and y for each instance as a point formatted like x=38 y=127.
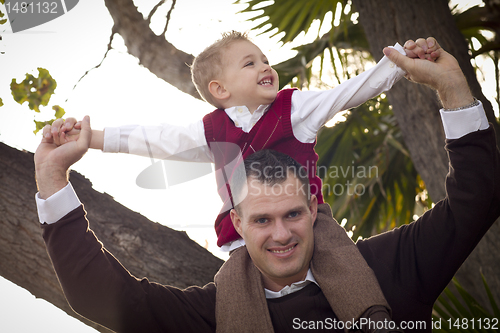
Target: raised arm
x=166 y=141
x=418 y=260
x=312 y=109
x=95 y=284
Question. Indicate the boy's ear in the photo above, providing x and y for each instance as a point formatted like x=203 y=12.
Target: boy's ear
x=218 y=91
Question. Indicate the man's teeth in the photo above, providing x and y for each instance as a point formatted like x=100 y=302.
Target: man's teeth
x=282 y=251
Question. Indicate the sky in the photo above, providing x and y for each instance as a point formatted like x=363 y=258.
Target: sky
x=120 y=92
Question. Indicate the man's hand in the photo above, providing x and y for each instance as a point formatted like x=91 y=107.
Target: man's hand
x=53 y=161
x=443 y=74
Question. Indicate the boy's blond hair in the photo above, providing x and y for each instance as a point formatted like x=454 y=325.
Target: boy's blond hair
x=208 y=65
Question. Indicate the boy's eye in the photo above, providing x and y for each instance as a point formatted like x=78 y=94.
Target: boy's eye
x=266 y=62
x=249 y=64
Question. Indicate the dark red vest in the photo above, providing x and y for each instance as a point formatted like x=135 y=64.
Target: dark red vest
x=272 y=131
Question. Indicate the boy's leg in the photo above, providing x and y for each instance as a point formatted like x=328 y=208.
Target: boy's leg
x=345 y=278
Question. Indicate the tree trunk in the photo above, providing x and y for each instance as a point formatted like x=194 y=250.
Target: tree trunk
x=415 y=108
x=145 y=248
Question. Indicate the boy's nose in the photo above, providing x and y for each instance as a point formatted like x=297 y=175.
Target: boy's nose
x=266 y=68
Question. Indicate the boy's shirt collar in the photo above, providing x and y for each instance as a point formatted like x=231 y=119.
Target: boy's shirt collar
x=242 y=118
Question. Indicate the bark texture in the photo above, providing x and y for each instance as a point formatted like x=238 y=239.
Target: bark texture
x=415 y=108
x=145 y=248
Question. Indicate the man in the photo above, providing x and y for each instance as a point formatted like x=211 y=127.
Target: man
x=413 y=263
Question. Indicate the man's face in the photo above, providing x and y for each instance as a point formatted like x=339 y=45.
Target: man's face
x=247 y=76
x=277 y=226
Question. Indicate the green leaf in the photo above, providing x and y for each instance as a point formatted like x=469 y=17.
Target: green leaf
x=494 y=306
x=290 y=17
x=41 y=124
x=59 y=111
x=376 y=185
x=35 y=90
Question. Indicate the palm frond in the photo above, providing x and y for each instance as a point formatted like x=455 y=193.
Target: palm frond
x=368 y=176
x=460 y=312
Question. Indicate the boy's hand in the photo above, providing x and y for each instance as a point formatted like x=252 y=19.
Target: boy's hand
x=62 y=131
x=443 y=74
x=422 y=48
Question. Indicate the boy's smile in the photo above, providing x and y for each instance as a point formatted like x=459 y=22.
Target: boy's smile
x=247 y=77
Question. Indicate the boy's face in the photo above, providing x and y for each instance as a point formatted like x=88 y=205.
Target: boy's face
x=276 y=223
x=248 y=77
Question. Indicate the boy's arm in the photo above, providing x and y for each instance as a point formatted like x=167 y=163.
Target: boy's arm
x=312 y=109
x=97 y=141
x=166 y=141
x=66 y=130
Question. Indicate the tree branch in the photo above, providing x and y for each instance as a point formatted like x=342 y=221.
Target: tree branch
x=113 y=32
x=154 y=52
x=155 y=8
x=168 y=17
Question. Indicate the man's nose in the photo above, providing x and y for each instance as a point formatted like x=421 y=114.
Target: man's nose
x=281 y=233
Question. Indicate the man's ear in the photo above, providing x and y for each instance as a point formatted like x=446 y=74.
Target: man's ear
x=313 y=207
x=236 y=219
x=218 y=91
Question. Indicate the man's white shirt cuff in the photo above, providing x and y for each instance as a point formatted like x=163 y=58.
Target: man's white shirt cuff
x=57 y=205
x=461 y=122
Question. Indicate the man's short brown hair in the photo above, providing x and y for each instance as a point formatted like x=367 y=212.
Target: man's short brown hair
x=208 y=65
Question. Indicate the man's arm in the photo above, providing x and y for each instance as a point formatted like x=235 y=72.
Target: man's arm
x=95 y=284
x=415 y=262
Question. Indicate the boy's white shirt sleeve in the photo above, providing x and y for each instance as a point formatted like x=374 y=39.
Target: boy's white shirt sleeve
x=58 y=205
x=312 y=109
x=180 y=143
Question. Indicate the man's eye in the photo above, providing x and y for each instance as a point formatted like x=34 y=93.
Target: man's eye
x=293 y=214
x=261 y=221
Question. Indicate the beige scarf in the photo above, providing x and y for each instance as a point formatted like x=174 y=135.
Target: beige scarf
x=343 y=275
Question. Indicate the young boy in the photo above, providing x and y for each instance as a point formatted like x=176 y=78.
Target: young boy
x=235 y=76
